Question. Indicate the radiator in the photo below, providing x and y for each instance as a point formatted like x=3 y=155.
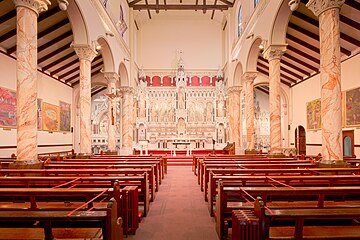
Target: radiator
x=245 y=225
x=130 y=209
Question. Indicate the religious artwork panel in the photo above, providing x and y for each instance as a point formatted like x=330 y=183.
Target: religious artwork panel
x=313 y=114
x=7 y=108
x=65 y=115
x=39 y=114
x=352 y=107
x=50 y=117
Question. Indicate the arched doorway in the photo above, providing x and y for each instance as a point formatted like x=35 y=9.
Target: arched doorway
x=348 y=143
x=300 y=140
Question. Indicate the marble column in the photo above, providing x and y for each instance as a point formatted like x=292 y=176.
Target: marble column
x=27 y=12
x=127 y=119
x=111 y=80
x=234 y=116
x=330 y=76
x=248 y=79
x=273 y=54
x=86 y=54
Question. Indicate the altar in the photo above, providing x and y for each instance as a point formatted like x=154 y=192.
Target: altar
x=186 y=145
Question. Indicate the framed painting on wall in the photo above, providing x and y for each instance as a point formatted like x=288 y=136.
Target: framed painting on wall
x=50 y=117
x=313 y=115
x=65 y=116
x=7 y=108
x=39 y=114
x=352 y=107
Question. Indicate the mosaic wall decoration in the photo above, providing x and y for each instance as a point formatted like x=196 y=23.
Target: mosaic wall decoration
x=7 y=108
x=65 y=115
x=313 y=115
x=50 y=117
x=352 y=107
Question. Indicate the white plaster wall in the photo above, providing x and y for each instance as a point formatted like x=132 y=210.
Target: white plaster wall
x=310 y=90
x=51 y=91
x=199 y=37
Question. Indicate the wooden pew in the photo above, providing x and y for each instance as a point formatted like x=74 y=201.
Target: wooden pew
x=83 y=172
x=313 y=232
x=106 y=220
x=154 y=171
x=141 y=181
x=253 y=164
x=272 y=172
x=262 y=181
x=278 y=198
x=159 y=163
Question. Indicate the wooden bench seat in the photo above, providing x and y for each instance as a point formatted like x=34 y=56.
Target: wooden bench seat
x=272 y=172
x=83 y=172
x=291 y=196
x=141 y=181
x=262 y=181
x=106 y=220
x=302 y=229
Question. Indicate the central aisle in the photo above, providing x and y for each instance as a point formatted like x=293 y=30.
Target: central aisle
x=179 y=211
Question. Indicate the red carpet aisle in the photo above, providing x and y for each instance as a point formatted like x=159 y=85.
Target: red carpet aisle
x=179 y=211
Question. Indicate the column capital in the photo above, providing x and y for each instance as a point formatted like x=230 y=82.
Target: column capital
x=84 y=51
x=249 y=76
x=320 y=6
x=111 y=77
x=37 y=6
x=126 y=90
x=234 y=89
x=274 y=52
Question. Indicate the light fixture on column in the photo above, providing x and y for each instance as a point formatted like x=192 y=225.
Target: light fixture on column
x=263 y=44
x=63 y=4
x=293 y=4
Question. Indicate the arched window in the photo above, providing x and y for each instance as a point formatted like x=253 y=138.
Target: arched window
x=256 y=3
x=240 y=21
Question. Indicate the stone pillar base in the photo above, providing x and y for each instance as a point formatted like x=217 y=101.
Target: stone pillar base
x=26 y=164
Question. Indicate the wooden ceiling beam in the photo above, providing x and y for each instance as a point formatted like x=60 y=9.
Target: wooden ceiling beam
x=180 y=7
x=303 y=43
x=131 y=4
x=54 y=41
x=157 y=6
x=49 y=13
x=52 y=54
x=262 y=90
x=315 y=23
x=230 y=4
x=288 y=71
x=72 y=78
x=213 y=11
x=72 y=63
x=305 y=55
x=43 y=33
x=350 y=22
x=354 y=4
x=204 y=4
x=281 y=75
x=7 y=16
x=302 y=63
x=148 y=10
x=97 y=91
x=60 y=60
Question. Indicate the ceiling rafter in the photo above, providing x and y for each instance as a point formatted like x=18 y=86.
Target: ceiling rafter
x=133 y=2
x=266 y=72
x=43 y=33
x=57 y=51
x=353 y=4
x=60 y=60
x=261 y=88
x=213 y=11
x=180 y=7
x=302 y=63
x=303 y=54
x=303 y=43
x=55 y=40
x=92 y=75
x=7 y=16
x=98 y=90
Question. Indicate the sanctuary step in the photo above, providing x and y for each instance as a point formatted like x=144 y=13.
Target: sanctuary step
x=179 y=160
